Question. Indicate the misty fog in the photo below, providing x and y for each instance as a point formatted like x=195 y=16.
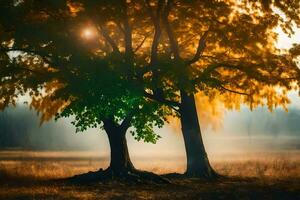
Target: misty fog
x=242 y=131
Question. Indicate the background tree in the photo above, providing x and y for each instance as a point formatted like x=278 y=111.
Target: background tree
x=227 y=50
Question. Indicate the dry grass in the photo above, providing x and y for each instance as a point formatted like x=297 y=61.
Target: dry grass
x=279 y=165
x=27 y=175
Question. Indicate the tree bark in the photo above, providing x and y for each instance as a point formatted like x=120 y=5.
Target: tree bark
x=197 y=161
x=121 y=167
x=120 y=162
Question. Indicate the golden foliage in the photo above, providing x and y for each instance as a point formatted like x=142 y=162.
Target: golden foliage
x=74 y=7
x=241 y=38
x=46 y=103
x=211 y=111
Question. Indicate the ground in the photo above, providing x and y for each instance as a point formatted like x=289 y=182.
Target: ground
x=30 y=175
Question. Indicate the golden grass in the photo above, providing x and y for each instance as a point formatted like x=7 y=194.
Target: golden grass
x=26 y=175
x=281 y=165
x=52 y=165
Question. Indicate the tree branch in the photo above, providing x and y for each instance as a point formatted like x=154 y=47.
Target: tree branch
x=120 y=27
x=233 y=91
x=127 y=33
x=200 y=49
x=172 y=39
x=219 y=84
x=141 y=44
x=127 y=121
x=157 y=30
x=215 y=66
x=170 y=103
x=25 y=69
x=45 y=56
x=109 y=39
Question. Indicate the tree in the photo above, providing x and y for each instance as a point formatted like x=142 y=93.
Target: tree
x=235 y=53
x=44 y=57
x=116 y=109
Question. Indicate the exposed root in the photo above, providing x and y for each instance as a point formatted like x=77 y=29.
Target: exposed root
x=149 y=176
x=125 y=176
x=208 y=175
x=212 y=175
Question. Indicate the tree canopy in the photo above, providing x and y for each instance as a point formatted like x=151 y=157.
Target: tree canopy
x=62 y=71
x=139 y=39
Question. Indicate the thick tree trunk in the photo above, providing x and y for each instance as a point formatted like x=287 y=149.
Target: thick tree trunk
x=121 y=167
x=197 y=162
x=120 y=162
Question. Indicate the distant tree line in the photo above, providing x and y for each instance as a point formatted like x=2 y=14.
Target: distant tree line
x=261 y=122
x=19 y=128
x=15 y=128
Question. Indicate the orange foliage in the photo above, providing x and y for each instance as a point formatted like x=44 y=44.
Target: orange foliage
x=210 y=110
x=46 y=103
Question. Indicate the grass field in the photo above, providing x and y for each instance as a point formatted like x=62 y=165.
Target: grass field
x=29 y=175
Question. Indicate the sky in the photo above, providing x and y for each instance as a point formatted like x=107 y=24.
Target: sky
x=286 y=42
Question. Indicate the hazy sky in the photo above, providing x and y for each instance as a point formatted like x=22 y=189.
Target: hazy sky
x=286 y=42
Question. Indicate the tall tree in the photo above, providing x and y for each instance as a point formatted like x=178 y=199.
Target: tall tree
x=58 y=58
x=235 y=55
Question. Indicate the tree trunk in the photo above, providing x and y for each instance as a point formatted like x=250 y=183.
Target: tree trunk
x=120 y=162
x=120 y=167
x=197 y=162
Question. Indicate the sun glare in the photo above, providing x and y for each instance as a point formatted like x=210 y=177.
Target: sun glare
x=88 y=33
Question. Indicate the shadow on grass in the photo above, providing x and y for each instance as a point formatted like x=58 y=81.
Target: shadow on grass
x=179 y=187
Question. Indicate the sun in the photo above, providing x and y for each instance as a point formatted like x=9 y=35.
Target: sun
x=88 y=33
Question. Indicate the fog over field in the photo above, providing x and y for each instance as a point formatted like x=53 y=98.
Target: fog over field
x=242 y=131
